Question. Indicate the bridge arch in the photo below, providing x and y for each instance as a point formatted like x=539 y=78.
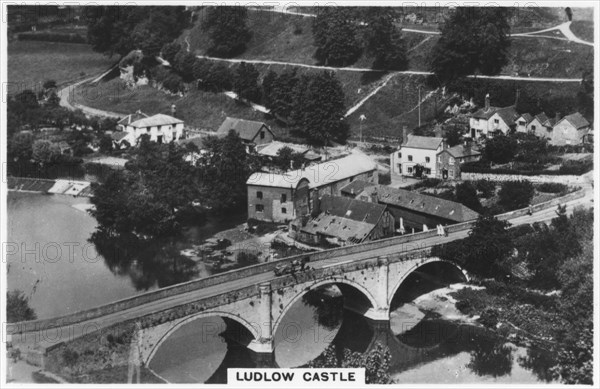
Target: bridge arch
x=253 y=328
x=408 y=272
x=338 y=281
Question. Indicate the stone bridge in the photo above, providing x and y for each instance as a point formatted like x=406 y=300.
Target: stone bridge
x=254 y=316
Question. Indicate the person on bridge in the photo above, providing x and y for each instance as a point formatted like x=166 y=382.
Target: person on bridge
x=530 y=210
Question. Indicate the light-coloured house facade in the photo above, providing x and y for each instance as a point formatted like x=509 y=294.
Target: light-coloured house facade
x=490 y=120
x=522 y=123
x=416 y=150
x=570 y=130
x=161 y=128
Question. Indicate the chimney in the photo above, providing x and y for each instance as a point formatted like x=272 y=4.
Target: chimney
x=173 y=110
x=352 y=191
x=291 y=164
x=374 y=197
x=404 y=134
x=487 y=102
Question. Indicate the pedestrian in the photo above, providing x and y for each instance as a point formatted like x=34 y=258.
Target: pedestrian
x=530 y=210
x=444 y=231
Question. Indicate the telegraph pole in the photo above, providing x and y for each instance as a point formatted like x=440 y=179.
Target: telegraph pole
x=419 y=104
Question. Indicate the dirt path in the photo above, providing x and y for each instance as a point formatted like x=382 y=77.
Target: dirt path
x=67 y=93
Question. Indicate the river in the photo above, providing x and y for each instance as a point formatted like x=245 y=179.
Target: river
x=52 y=262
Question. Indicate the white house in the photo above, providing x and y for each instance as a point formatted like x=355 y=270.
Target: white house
x=416 y=150
x=492 y=120
x=570 y=130
x=161 y=128
x=523 y=123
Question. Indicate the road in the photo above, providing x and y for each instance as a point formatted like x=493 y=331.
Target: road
x=28 y=340
x=66 y=100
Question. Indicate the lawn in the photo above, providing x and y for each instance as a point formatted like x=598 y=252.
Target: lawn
x=30 y=63
x=583 y=29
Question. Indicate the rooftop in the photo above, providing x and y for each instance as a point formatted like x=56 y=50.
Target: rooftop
x=462 y=151
x=272 y=149
x=355 y=187
x=132 y=118
x=156 y=120
x=246 y=129
x=422 y=203
x=577 y=120
x=362 y=211
x=422 y=142
x=338 y=227
x=320 y=174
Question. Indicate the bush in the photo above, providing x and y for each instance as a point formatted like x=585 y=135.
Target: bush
x=385 y=178
x=500 y=149
x=52 y=37
x=426 y=183
x=515 y=194
x=70 y=357
x=552 y=187
x=577 y=168
x=246 y=259
x=489 y=317
x=486 y=187
x=466 y=194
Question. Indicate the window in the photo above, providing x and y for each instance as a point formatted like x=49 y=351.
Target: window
x=532 y=128
x=259 y=195
x=451 y=161
x=451 y=172
x=427 y=171
x=283 y=210
x=409 y=169
x=439 y=159
x=262 y=135
x=427 y=159
x=410 y=158
x=260 y=208
x=496 y=121
x=283 y=198
x=399 y=155
x=521 y=123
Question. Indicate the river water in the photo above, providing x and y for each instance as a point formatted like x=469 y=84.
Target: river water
x=51 y=261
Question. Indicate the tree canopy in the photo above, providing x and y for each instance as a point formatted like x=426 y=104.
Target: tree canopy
x=17 y=307
x=228 y=30
x=474 y=40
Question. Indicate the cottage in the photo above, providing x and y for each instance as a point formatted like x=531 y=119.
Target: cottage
x=251 y=132
x=492 y=120
x=449 y=160
x=573 y=129
x=412 y=210
x=281 y=197
x=125 y=123
x=522 y=123
x=341 y=221
x=416 y=150
x=161 y=128
x=538 y=126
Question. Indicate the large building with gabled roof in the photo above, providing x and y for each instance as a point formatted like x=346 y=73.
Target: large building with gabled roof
x=416 y=150
x=250 y=131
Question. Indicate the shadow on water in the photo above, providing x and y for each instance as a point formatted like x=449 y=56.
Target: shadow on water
x=147 y=264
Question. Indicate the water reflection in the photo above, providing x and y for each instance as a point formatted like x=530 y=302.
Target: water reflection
x=540 y=362
x=491 y=357
x=148 y=264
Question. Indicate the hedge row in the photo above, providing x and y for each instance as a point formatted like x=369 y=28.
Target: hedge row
x=575 y=168
x=52 y=37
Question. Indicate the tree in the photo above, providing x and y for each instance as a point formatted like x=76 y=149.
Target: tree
x=500 y=149
x=466 y=194
x=169 y=51
x=201 y=70
x=28 y=99
x=228 y=31
x=377 y=362
x=218 y=78
x=17 y=307
x=20 y=146
x=49 y=84
x=318 y=111
x=224 y=169
x=285 y=91
x=334 y=33
x=268 y=87
x=287 y=159
x=184 y=63
x=106 y=144
x=383 y=40
x=245 y=83
x=453 y=136
x=53 y=100
x=473 y=40
x=45 y=152
x=515 y=194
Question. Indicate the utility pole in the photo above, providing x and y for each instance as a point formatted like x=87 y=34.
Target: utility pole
x=419 y=104
x=362 y=118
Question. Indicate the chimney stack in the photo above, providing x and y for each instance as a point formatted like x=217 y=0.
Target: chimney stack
x=291 y=164
x=487 y=102
x=374 y=197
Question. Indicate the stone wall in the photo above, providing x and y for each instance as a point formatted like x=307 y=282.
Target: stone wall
x=567 y=179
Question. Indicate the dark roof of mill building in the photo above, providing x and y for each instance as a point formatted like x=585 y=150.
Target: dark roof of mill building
x=417 y=202
x=422 y=142
x=246 y=129
x=355 y=187
x=349 y=208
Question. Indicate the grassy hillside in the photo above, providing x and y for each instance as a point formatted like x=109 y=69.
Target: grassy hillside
x=30 y=63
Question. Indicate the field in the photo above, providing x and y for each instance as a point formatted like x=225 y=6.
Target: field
x=583 y=29
x=30 y=63
x=198 y=109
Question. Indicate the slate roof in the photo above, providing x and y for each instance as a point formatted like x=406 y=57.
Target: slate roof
x=460 y=151
x=156 y=120
x=577 y=120
x=132 y=118
x=246 y=129
x=355 y=187
x=542 y=118
x=508 y=114
x=271 y=149
x=338 y=227
x=117 y=136
x=483 y=113
x=422 y=203
x=422 y=142
x=528 y=118
x=349 y=208
x=318 y=175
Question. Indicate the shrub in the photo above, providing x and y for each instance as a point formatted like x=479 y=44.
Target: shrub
x=515 y=194
x=552 y=187
x=500 y=149
x=426 y=183
x=70 y=357
x=385 y=178
x=489 y=317
x=466 y=194
x=486 y=187
x=52 y=37
x=246 y=259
